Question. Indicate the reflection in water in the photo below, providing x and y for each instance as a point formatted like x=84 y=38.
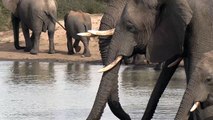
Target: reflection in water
x=77 y=73
x=66 y=91
x=32 y=72
x=139 y=76
x=137 y=83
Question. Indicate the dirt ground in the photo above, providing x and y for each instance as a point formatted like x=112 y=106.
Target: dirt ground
x=8 y=51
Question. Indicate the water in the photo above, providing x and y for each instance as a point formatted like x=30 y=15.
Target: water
x=66 y=91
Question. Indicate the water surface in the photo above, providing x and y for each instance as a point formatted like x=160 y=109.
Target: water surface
x=66 y=91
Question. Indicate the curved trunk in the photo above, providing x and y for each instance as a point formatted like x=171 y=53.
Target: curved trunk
x=108 y=89
x=103 y=93
x=15 y=23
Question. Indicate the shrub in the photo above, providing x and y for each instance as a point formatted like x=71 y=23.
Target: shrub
x=90 y=6
x=4 y=18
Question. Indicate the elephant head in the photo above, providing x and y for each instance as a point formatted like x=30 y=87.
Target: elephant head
x=199 y=91
x=141 y=23
x=158 y=25
x=10 y=5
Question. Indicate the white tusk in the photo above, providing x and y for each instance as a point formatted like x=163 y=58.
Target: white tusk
x=110 y=66
x=102 y=33
x=175 y=62
x=85 y=34
x=195 y=106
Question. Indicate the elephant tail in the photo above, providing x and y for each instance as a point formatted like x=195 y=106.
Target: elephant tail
x=52 y=17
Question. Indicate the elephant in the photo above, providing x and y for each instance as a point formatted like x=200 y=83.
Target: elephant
x=35 y=16
x=75 y=22
x=110 y=19
x=169 y=31
x=199 y=91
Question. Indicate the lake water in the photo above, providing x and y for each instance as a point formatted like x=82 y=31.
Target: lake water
x=66 y=91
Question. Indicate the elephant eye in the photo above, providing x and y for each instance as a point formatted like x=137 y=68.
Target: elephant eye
x=209 y=79
x=130 y=27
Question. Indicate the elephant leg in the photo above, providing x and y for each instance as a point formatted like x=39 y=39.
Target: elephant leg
x=76 y=45
x=28 y=41
x=86 y=52
x=36 y=42
x=15 y=23
x=115 y=105
x=158 y=66
x=32 y=37
x=51 y=32
x=160 y=86
x=69 y=45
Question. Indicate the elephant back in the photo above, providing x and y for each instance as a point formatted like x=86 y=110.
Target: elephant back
x=11 y=5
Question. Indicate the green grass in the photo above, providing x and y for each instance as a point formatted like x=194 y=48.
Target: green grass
x=64 y=6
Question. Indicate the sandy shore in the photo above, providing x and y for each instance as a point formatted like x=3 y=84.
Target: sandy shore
x=8 y=51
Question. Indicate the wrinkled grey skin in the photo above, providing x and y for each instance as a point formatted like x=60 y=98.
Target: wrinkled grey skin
x=108 y=89
x=37 y=17
x=199 y=89
x=169 y=29
x=76 y=22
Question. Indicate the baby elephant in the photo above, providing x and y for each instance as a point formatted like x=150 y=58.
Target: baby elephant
x=199 y=92
x=76 y=22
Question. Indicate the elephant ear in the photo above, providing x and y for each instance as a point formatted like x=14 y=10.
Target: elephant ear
x=11 y=5
x=168 y=37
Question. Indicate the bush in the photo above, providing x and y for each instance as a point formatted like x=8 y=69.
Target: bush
x=90 y=6
x=5 y=23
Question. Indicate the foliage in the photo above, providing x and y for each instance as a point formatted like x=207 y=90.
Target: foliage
x=90 y=6
x=64 y=6
x=4 y=18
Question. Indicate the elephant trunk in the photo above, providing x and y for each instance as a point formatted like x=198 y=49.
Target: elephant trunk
x=15 y=23
x=109 y=21
x=106 y=85
x=187 y=101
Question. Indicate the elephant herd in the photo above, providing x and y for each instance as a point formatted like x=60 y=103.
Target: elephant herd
x=41 y=17
x=166 y=31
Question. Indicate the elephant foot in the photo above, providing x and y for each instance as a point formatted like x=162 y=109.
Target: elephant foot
x=52 y=52
x=77 y=48
x=33 y=52
x=86 y=55
x=27 y=49
x=70 y=53
x=158 y=67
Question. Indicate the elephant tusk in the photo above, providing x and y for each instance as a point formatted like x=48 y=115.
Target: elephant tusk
x=175 y=62
x=195 y=106
x=85 y=34
x=113 y=64
x=102 y=33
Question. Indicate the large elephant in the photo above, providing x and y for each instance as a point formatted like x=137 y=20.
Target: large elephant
x=76 y=22
x=109 y=93
x=199 y=91
x=170 y=30
x=36 y=16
